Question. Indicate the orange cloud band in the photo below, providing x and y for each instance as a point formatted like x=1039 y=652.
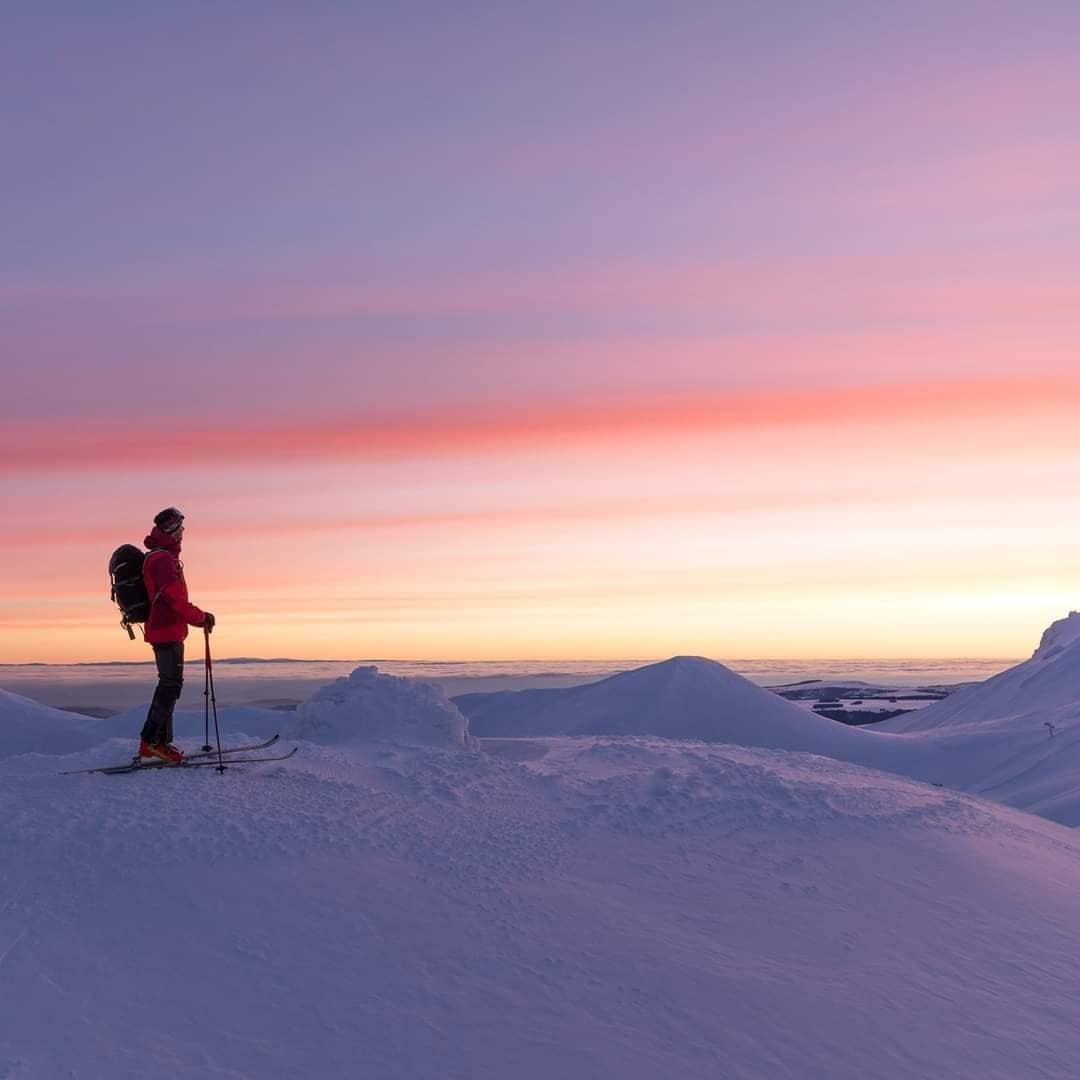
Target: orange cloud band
x=454 y=431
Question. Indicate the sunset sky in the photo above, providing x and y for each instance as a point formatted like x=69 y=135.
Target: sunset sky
x=545 y=331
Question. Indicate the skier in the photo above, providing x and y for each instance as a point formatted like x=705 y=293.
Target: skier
x=171 y=613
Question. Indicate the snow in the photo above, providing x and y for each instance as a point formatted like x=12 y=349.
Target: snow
x=371 y=707
x=1059 y=636
x=617 y=906
x=990 y=738
x=1045 y=687
x=30 y=728
x=628 y=904
x=1014 y=737
x=686 y=697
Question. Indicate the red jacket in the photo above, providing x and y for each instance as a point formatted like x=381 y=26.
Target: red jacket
x=171 y=613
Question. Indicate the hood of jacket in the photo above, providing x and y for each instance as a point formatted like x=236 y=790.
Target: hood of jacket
x=159 y=539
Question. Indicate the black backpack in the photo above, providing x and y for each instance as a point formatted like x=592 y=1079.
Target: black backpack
x=128 y=587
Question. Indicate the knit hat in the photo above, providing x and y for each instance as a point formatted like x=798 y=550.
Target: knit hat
x=169 y=520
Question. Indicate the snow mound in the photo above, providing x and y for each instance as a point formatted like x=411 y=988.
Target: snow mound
x=686 y=697
x=369 y=707
x=28 y=727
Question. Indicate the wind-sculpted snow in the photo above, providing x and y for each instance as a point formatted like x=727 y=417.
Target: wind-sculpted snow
x=605 y=906
x=370 y=707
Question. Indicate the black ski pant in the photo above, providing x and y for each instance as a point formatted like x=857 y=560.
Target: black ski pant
x=159 y=720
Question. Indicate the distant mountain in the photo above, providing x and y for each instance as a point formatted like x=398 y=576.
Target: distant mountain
x=686 y=697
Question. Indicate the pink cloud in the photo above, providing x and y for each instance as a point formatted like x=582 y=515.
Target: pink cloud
x=476 y=430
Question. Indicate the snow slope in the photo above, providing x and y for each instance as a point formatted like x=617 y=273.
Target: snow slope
x=27 y=727
x=686 y=697
x=995 y=737
x=615 y=907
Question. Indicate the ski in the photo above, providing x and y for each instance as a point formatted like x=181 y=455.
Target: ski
x=156 y=763
x=231 y=749
x=119 y=770
x=239 y=761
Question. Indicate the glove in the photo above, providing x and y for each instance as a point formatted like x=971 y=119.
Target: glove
x=208 y=622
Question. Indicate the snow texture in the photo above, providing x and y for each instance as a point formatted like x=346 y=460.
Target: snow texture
x=614 y=906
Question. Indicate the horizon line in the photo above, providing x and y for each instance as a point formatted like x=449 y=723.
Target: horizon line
x=521 y=660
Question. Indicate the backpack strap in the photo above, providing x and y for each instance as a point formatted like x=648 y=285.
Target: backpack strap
x=154 y=599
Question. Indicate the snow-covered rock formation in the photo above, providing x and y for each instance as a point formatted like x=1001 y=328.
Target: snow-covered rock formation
x=370 y=707
x=1044 y=689
x=686 y=697
x=1058 y=637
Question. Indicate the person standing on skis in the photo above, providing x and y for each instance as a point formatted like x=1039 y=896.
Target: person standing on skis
x=171 y=613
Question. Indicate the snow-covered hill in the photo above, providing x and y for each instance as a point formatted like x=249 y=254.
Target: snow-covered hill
x=686 y=697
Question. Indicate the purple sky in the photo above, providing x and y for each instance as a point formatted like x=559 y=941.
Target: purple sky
x=305 y=224
x=185 y=153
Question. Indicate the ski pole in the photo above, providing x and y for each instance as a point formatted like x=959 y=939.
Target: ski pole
x=206 y=747
x=213 y=702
